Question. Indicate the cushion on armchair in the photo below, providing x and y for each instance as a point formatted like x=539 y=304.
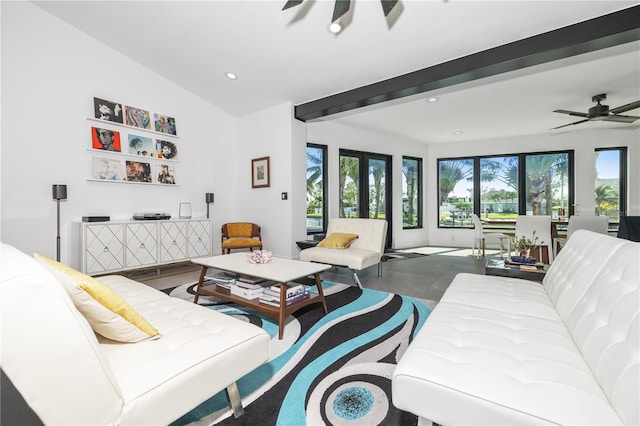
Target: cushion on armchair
x=338 y=240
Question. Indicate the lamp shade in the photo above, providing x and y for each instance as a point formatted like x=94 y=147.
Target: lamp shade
x=209 y=197
x=59 y=192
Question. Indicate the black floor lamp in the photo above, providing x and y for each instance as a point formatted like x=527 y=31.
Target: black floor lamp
x=59 y=193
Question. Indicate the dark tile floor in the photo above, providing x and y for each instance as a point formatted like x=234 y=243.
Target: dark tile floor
x=424 y=277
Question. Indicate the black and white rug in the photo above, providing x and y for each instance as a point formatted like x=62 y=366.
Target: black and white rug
x=332 y=369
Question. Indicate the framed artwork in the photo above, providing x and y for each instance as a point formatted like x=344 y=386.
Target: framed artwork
x=107 y=110
x=142 y=146
x=166 y=150
x=138 y=172
x=260 y=172
x=105 y=139
x=137 y=117
x=165 y=124
x=165 y=174
x=106 y=169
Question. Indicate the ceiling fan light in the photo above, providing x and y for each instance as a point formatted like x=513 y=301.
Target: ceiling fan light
x=231 y=76
x=433 y=99
x=335 y=27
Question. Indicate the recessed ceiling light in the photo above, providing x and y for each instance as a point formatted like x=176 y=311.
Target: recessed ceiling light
x=458 y=132
x=335 y=27
x=433 y=99
x=231 y=76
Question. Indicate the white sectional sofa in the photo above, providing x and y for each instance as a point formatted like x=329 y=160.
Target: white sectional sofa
x=365 y=251
x=67 y=374
x=500 y=350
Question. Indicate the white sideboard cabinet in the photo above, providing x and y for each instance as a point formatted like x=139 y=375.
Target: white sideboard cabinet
x=120 y=245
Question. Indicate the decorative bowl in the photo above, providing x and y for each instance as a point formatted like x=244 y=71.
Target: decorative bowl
x=259 y=256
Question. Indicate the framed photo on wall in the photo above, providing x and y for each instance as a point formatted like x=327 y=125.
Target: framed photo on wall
x=260 y=172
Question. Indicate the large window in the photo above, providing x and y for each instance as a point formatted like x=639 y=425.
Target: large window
x=411 y=192
x=316 y=188
x=610 y=183
x=455 y=192
x=499 y=188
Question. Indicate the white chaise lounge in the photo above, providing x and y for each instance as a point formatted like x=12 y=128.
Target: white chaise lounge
x=365 y=251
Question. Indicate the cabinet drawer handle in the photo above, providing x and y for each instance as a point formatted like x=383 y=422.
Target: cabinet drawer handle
x=142 y=245
x=174 y=242
x=199 y=239
x=105 y=249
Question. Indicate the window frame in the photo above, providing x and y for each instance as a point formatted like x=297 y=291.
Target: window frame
x=418 y=191
x=622 y=207
x=325 y=173
x=522 y=202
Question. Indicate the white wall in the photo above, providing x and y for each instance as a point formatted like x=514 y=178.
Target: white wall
x=50 y=74
x=583 y=142
x=336 y=137
x=271 y=133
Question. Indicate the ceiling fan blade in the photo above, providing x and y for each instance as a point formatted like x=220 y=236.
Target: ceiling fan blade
x=291 y=3
x=341 y=7
x=574 y=113
x=621 y=118
x=388 y=5
x=624 y=108
x=570 y=124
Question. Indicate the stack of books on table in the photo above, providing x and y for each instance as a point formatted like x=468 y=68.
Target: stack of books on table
x=295 y=293
x=222 y=279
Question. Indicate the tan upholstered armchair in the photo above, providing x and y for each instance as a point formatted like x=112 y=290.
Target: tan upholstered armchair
x=240 y=235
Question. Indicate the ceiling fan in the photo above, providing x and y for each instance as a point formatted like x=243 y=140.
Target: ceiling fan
x=601 y=112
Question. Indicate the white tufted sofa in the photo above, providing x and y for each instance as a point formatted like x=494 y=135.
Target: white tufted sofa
x=365 y=251
x=68 y=375
x=500 y=350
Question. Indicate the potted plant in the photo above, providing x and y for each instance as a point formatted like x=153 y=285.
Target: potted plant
x=523 y=244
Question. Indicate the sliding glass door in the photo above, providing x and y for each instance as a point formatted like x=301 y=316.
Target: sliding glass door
x=365 y=186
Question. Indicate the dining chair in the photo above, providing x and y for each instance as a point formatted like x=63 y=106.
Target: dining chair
x=480 y=237
x=541 y=224
x=599 y=224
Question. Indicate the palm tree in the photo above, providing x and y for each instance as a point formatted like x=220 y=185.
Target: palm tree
x=452 y=172
x=377 y=169
x=411 y=175
x=349 y=168
x=606 y=199
x=540 y=170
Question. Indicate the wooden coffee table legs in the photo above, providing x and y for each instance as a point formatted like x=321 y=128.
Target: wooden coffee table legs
x=200 y=281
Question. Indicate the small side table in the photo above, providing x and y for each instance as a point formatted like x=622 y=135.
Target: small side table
x=305 y=244
x=499 y=267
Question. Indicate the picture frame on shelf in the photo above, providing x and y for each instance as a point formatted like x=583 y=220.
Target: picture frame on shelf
x=166 y=150
x=142 y=146
x=108 y=110
x=165 y=174
x=137 y=117
x=105 y=139
x=138 y=172
x=260 y=173
x=106 y=169
x=165 y=124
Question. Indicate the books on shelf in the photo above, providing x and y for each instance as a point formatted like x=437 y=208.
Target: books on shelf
x=250 y=280
x=292 y=289
x=246 y=290
x=222 y=279
x=272 y=297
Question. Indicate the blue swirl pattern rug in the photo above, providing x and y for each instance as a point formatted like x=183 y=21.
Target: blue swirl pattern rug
x=332 y=369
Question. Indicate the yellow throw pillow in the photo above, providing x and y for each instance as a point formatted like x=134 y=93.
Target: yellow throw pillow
x=338 y=240
x=106 y=311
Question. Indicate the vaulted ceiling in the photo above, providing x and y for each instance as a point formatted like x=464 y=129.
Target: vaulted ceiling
x=290 y=56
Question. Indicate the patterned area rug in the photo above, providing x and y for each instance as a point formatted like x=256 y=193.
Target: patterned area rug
x=391 y=254
x=332 y=369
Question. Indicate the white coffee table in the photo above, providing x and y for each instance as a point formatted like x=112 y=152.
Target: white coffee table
x=278 y=269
